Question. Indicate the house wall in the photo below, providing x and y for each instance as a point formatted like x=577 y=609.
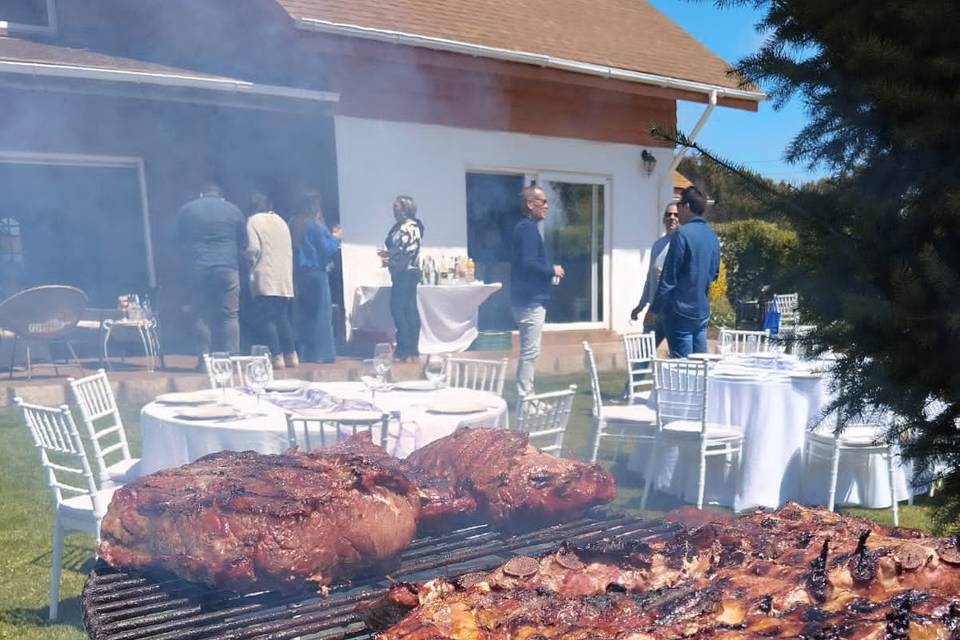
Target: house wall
x=377 y=160
x=181 y=146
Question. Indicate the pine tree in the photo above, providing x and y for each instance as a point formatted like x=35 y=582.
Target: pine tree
x=880 y=240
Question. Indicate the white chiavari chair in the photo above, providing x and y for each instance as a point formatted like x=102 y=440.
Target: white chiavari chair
x=681 y=393
x=639 y=350
x=545 y=417
x=78 y=504
x=101 y=420
x=480 y=375
x=620 y=422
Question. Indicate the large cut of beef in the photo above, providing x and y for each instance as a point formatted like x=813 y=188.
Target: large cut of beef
x=796 y=573
x=514 y=484
x=240 y=520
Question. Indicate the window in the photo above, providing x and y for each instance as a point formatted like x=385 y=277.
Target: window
x=27 y=15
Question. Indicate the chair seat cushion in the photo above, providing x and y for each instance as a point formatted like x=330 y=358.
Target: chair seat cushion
x=629 y=413
x=691 y=429
x=80 y=507
x=852 y=436
x=124 y=471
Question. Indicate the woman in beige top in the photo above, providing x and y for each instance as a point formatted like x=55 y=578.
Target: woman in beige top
x=270 y=253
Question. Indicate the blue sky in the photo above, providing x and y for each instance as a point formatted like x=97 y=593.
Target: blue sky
x=755 y=140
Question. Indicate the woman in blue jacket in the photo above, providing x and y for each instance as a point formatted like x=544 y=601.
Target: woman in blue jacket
x=314 y=249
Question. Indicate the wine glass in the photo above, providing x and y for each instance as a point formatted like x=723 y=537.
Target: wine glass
x=258 y=375
x=221 y=367
x=752 y=345
x=368 y=376
x=260 y=350
x=435 y=369
x=382 y=360
x=726 y=345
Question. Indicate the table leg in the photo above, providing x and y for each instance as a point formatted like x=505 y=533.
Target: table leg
x=106 y=340
x=145 y=342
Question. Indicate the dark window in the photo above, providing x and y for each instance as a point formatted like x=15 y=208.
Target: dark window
x=25 y=12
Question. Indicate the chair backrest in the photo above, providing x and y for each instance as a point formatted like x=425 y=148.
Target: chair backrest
x=590 y=364
x=545 y=417
x=787 y=304
x=43 y=313
x=681 y=390
x=740 y=341
x=238 y=374
x=61 y=452
x=481 y=375
x=306 y=432
x=101 y=419
x=639 y=350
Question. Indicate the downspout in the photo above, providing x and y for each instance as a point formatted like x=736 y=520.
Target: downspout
x=711 y=105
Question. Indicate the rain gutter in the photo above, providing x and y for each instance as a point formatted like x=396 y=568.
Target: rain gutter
x=565 y=64
x=183 y=81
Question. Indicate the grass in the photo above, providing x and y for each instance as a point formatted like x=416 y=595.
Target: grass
x=26 y=520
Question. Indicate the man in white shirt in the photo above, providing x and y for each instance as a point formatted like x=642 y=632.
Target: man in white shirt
x=658 y=254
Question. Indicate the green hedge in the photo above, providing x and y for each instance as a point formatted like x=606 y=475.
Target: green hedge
x=759 y=257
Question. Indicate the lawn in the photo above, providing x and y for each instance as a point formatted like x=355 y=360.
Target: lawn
x=26 y=518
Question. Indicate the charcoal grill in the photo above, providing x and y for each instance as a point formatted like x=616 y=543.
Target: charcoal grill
x=119 y=605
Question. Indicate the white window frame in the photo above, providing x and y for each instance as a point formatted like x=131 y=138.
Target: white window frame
x=576 y=177
x=48 y=29
x=112 y=162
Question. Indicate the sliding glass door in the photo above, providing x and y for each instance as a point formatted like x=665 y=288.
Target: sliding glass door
x=575 y=237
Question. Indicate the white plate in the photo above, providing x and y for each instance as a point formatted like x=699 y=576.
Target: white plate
x=806 y=375
x=705 y=356
x=205 y=396
x=457 y=407
x=285 y=386
x=415 y=385
x=213 y=412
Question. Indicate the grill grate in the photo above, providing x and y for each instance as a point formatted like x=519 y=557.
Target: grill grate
x=121 y=605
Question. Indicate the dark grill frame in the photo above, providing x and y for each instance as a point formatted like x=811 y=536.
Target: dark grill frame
x=119 y=605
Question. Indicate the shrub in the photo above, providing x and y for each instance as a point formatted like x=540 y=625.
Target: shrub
x=760 y=256
x=721 y=312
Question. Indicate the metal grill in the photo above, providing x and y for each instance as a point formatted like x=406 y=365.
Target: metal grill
x=120 y=605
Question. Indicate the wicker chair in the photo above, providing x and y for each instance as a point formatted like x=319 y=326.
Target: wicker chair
x=40 y=316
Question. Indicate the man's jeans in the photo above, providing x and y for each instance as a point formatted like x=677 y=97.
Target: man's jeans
x=216 y=306
x=685 y=336
x=529 y=321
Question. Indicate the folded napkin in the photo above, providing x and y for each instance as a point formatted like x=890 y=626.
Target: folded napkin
x=313 y=398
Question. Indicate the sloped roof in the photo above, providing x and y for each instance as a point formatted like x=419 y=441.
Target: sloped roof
x=28 y=57
x=629 y=35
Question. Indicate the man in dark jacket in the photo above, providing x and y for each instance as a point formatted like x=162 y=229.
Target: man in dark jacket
x=692 y=263
x=213 y=234
x=530 y=279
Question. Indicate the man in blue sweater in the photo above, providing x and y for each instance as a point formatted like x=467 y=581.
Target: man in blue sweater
x=213 y=234
x=530 y=278
x=692 y=263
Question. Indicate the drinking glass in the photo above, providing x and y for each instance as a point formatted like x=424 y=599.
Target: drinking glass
x=382 y=360
x=369 y=378
x=259 y=350
x=435 y=369
x=221 y=367
x=258 y=375
x=726 y=345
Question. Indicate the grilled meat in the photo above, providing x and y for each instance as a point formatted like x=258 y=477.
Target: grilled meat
x=515 y=484
x=243 y=520
x=798 y=572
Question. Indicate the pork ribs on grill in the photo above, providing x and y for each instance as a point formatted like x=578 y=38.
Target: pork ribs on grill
x=798 y=572
x=241 y=520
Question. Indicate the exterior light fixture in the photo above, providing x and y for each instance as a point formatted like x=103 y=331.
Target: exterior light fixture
x=649 y=161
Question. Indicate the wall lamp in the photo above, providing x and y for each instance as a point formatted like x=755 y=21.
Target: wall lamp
x=649 y=161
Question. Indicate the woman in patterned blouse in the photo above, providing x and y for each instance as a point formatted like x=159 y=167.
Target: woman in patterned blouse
x=402 y=257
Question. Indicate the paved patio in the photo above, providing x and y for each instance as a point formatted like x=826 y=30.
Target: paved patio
x=134 y=384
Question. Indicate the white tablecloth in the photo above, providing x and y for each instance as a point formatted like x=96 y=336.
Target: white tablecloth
x=448 y=313
x=169 y=441
x=774 y=412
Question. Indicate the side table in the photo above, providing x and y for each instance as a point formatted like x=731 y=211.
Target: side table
x=146 y=328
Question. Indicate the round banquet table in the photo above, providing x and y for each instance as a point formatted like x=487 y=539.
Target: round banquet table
x=773 y=410
x=171 y=441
